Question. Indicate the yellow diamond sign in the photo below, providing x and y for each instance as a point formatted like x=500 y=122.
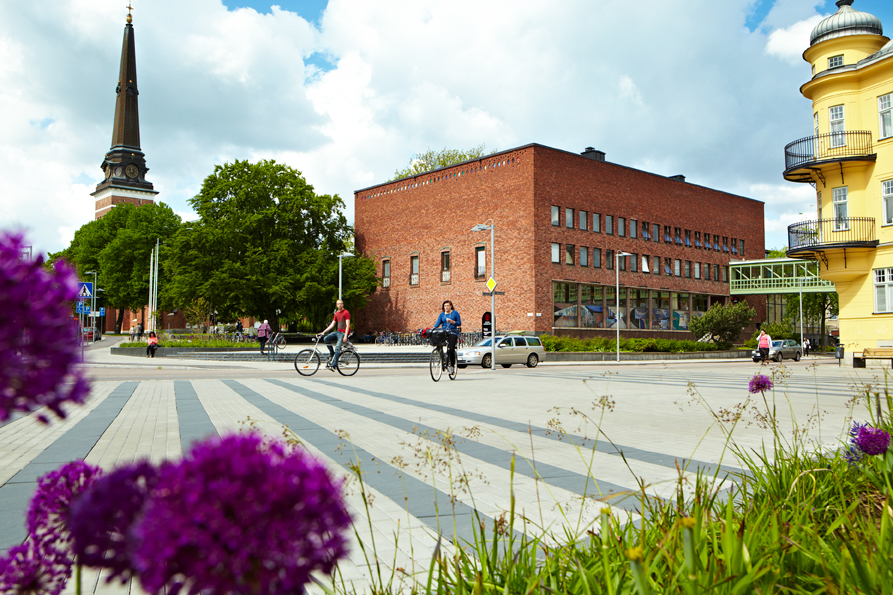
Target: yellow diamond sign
x=491 y=284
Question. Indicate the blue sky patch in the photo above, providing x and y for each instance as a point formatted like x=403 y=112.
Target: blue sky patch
x=310 y=10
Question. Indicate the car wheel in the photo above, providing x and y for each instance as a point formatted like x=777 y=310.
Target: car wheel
x=506 y=365
x=532 y=360
x=797 y=357
x=486 y=360
x=779 y=357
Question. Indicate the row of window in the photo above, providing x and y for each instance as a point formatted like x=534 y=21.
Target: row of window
x=480 y=267
x=840 y=205
x=672 y=267
x=578 y=305
x=837 y=121
x=647 y=231
x=883 y=290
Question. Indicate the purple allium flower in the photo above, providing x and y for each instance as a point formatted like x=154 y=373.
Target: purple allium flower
x=55 y=493
x=872 y=441
x=38 y=344
x=760 y=383
x=36 y=567
x=238 y=515
x=101 y=518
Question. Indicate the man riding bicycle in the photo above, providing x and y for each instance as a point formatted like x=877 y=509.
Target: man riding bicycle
x=341 y=323
x=451 y=322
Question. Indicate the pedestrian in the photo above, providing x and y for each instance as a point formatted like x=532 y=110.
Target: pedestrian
x=263 y=334
x=451 y=322
x=153 y=345
x=132 y=331
x=239 y=327
x=806 y=346
x=341 y=324
x=139 y=331
x=764 y=343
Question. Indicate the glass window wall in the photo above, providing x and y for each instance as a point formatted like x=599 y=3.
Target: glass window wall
x=680 y=311
x=564 y=304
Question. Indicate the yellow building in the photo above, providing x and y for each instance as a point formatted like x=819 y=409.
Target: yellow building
x=849 y=161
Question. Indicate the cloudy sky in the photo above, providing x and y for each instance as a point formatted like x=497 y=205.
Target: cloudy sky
x=346 y=91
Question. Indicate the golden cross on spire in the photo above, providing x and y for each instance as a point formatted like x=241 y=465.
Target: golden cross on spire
x=129 y=17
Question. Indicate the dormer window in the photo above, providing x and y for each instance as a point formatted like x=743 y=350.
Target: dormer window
x=835 y=61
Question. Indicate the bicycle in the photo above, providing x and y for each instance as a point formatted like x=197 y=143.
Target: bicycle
x=307 y=360
x=438 y=362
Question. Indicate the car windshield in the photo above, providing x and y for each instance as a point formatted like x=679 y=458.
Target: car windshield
x=777 y=343
x=485 y=342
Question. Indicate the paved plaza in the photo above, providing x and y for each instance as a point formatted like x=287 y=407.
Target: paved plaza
x=432 y=454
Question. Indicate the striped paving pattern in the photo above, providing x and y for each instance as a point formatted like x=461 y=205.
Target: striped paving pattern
x=431 y=454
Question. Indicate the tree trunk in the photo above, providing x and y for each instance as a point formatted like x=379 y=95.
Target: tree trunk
x=119 y=320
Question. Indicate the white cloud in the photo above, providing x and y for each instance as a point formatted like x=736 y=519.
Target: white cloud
x=641 y=80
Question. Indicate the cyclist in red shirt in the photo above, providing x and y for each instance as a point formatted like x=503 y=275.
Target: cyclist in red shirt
x=341 y=324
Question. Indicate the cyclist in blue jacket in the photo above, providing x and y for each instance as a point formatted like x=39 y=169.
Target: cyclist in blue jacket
x=451 y=322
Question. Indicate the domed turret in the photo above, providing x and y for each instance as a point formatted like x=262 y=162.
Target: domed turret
x=846 y=21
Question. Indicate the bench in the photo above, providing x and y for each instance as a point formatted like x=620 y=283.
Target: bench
x=873 y=353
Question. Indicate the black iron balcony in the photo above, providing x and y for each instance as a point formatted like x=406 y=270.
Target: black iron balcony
x=803 y=158
x=810 y=237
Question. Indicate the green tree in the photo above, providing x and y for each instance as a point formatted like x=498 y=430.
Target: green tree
x=198 y=313
x=723 y=323
x=118 y=248
x=265 y=245
x=430 y=160
x=777 y=252
x=816 y=309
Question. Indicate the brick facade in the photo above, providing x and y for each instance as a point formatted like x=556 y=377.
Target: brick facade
x=426 y=215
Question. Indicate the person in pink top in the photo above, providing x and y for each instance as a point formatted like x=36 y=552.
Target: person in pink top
x=263 y=334
x=153 y=345
x=764 y=343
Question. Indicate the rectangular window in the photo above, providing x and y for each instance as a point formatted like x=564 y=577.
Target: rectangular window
x=655 y=269
x=707 y=245
x=725 y=274
x=688 y=238
x=609 y=259
x=480 y=261
x=706 y=271
x=609 y=225
x=413 y=270
x=633 y=231
x=555 y=217
x=677 y=267
x=697 y=239
x=444 y=267
x=883 y=290
x=885 y=113
x=655 y=232
x=621 y=226
x=596 y=222
x=646 y=234
x=668 y=267
x=734 y=246
x=887 y=199
x=697 y=270
x=596 y=258
x=716 y=243
x=838 y=126
x=556 y=253
x=386 y=273
x=667 y=237
x=584 y=218
x=569 y=218
x=835 y=61
x=716 y=272
x=841 y=211
x=725 y=244
x=634 y=263
x=569 y=254
x=584 y=256
x=621 y=263
x=688 y=269
x=741 y=247
x=678 y=234
x=645 y=266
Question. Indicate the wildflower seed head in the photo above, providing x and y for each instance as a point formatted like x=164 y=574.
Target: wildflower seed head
x=36 y=567
x=760 y=383
x=872 y=441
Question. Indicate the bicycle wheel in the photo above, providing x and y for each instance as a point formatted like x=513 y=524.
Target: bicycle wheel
x=280 y=342
x=348 y=363
x=436 y=365
x=307 y=362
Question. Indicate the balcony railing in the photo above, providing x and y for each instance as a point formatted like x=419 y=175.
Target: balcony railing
x=444 y=276
x=833 y=146
x=843 y=232
x=480 y=272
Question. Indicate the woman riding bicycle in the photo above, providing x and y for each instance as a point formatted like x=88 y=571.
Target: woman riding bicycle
x=451 y=322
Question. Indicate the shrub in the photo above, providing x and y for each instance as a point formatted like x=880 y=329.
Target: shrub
x=637 y=345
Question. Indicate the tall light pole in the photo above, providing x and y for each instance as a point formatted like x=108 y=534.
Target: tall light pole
x=617 y=256
x=801 y=309
x=492 y=228
x=341 y=256
x=93 y=303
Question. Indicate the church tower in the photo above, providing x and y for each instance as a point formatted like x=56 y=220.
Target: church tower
x=124 y=165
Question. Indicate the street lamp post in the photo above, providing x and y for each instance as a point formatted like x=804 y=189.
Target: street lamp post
x=617 y=256
x=492 y=228
x=341 y=256
x=93 y=303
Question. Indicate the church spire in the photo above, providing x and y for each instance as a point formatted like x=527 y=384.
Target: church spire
x=124 y=164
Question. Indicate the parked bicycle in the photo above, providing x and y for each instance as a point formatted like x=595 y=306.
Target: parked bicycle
x=438 y=363
x=307 y=360
x=277 y=341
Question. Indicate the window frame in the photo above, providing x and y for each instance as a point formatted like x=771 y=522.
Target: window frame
x=838 y=137
x=556 y=253
x=882 y=111
x=556 y=216
x=835 y=61
x=584 y=256
x=621 y=227
x=645 y=233
x=386 y=273
x=887 y=201
x=698 y=239
x=570 y=255
x=480 y=273
x=596 y=223
x=609 y=259
x=445 y=262
x=633 y=232
x=414 y=264
x=583 y=220
x=677 y=233
x=887 y=284
x=596 y=258
x=609 y=225
x=568 y=218
x=839 y=205
x=668 y=236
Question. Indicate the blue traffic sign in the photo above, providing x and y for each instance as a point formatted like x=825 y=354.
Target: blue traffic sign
x=102 y=311
x=80 y=308
x=85 y=290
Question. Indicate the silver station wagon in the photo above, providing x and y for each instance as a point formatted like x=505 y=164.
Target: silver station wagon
x=780 y=351
x=510 y=349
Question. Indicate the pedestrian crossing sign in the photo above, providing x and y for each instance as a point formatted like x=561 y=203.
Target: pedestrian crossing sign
x=85 y=290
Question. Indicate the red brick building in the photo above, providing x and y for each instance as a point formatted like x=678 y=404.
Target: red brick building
x=560 y=218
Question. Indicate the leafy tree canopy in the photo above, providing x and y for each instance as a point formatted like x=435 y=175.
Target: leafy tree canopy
x=777 y=252
x=117 y=247
x=724 y=323
x=430 y=160
x=266 y=245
